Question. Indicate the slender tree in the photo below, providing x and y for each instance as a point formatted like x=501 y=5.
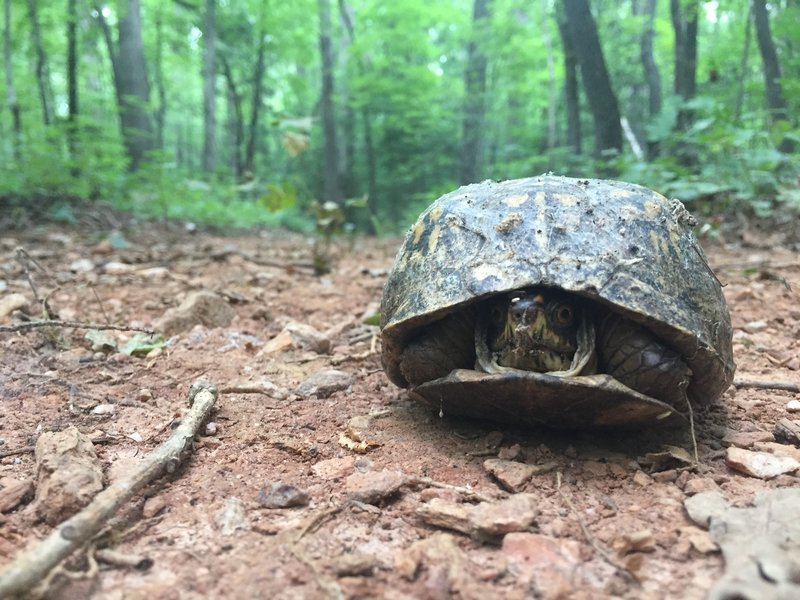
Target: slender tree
x=130 y=81
x=369 y=146
x=684 y=23
x=42 y=72
x=571 y=94
x=11 y=94
x=209 y=85
x=248 y=168
x=235 y=124
x=72 y=83
x=596 y=82
x=475 y=98
x=552 y=99
x=330 y=170
x=737 y=111
x=160 y=110
x=772 y=70
x=651 y=73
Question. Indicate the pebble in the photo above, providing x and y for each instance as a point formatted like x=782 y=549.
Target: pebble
x=512 y=475
x=298 y=336
x=232 y=516
x=760 y=464
x=755 y=326
x=13 y=492
x=699 y=484
x=277 y=494
x=372 y=487
x=549 y=563
x=793 y=406
x=745 y=439
x=199 y=308
x=334 y=468
x=104 y=409
x=484 y=520
x=324 y=383
x=10 y=303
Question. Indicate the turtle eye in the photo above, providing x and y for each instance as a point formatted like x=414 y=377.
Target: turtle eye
x=564 y=314
x=498 y=315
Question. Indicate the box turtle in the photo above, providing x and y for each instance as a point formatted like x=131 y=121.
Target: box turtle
x=557 y=301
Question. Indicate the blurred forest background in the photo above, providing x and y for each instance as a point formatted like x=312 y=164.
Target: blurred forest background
x=361 y=112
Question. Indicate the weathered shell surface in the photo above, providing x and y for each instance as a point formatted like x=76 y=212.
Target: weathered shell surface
x=617 y=243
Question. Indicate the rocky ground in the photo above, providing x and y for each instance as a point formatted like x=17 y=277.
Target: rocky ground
x=317 y=478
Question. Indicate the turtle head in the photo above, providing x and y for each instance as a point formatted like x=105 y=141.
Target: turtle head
x=535 y=329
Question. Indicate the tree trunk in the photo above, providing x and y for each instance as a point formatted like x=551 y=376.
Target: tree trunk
x=369 y=147
x=258 y=91
x=684 y=22
x=474 y=98
x=570 y=84
x=551 y=78
x=42 y=72
x=11 y=94
x=209 y=86
x=651 y=73
x=160 y=112
x=235 y=118
x=772 y=71
x=331 y=186
x=737 y=112
x=72 y=83
x=130 y=81
x=596 y=82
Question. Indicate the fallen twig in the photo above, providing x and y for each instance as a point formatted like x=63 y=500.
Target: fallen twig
x=72 y=324
x=467 y=491
x=588 y=534
x=33 y=564
x=25 y=450
x=766 y=385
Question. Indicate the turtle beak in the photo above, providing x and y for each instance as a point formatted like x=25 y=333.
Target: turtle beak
x=525 y=311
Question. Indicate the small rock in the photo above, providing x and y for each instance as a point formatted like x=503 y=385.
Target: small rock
x=211 y=428
x=372 y=487
x=68 y=474
x=104 y=410
x=755 y=326
x=199 y=308
x=82 y=265
x=760 y=464
x=359 y=428
x=745 y=439
x=11 y=302
x=440 y=554
x=516 y=513
x=324 y=383
x=642 y=479
x=232 y=517
x=638 y=541
x=793 y=406
x=512 y=475
x=281 y=495
x=153 y=272
x=548 y=562
x=510 y=452
x=118 y=268
x=699 y=484
x=778 y=449
x=484 y=520
x=699 y=539
x=298 y=336
x=353 y=564
x=14 y=492
x=103 y=247
x=334 y=468
x=144 y=395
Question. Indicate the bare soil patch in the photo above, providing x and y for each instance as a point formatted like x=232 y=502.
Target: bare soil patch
x=316 y=477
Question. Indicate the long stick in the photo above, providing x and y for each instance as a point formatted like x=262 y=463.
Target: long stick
x=32 y=565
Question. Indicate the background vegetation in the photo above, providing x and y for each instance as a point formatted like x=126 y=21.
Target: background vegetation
x=250 y=111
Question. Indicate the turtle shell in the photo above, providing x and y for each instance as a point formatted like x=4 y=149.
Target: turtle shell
x=618 y=244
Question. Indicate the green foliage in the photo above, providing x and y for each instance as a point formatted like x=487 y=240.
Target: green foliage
x=400 y=80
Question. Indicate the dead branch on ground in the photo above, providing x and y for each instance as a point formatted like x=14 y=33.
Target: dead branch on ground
x=72 y=324
x=766 y=385
x=33 y=564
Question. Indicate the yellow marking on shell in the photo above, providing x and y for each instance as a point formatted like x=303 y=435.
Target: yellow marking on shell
x=660 y=244
x=516 y=200
x=433 y=240
x=651 y=209
x=566 y=199
x=621 y=194
x=484 y=271
x=510 y=221
x=436 y=213
x=419 y=229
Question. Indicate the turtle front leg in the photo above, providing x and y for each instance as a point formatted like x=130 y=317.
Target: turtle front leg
x=635 y=357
